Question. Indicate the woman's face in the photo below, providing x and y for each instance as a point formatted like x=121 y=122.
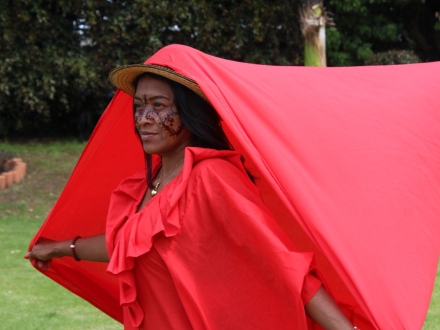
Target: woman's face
x=157 y=119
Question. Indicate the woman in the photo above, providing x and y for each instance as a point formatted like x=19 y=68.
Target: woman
x=191 y=242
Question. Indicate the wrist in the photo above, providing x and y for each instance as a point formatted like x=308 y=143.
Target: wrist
x=72 y=248
x=61 y=249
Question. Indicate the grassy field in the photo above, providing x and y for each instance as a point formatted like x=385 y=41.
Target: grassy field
x=29 y=300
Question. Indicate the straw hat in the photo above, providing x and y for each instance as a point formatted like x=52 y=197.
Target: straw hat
x=122 y=77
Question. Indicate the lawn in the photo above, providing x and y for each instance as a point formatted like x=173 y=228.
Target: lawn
x=29 y=300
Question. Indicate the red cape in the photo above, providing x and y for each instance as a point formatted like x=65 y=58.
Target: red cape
x=347 y=160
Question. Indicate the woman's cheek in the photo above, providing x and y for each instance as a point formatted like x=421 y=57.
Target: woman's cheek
x=170 y=122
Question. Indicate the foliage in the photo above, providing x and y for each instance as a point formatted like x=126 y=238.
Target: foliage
x=367 y=27
x=392 y=57
x=6 y=162
x=56 y=54
x=42 y=68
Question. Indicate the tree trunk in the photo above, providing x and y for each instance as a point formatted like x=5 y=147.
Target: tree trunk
x=313 y=21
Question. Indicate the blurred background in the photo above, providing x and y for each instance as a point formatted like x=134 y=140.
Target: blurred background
x=55 y=55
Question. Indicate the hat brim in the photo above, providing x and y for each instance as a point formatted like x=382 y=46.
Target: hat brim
x=122 y=77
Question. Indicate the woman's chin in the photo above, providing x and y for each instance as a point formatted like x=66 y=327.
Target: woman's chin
x=150 y=149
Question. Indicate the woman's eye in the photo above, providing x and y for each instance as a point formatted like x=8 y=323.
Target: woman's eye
x=158 y=105
x=138 y=108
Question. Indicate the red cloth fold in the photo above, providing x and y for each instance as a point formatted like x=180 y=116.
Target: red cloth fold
x=347 y=161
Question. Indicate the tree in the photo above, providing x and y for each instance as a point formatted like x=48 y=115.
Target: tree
x=365 y=28
x=314 y=19
x=42 y=67
x=55 y=56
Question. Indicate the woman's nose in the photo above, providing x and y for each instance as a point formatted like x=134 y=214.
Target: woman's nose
x=143 y=117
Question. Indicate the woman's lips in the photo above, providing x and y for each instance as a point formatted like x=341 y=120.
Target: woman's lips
x=147 y=135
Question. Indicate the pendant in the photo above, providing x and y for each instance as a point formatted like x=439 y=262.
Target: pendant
x=154 y=190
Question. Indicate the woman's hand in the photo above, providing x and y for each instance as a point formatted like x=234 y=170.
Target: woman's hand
x=91 y=248
x=44 y=251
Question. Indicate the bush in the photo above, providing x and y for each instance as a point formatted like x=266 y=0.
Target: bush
x=393 y=57
x=56 y=55
x=6 y=162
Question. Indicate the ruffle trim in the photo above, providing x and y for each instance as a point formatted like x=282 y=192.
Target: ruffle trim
x=135 y=231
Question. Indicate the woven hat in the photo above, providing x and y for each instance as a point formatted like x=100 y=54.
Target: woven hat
x=122 y=77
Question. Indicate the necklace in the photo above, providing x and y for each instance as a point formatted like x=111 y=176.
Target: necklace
x=156 y=187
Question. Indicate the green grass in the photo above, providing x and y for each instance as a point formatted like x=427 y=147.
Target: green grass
x=28 y=299
x=432 y=321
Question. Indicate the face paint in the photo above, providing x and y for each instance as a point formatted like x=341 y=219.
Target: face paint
x=143 y=113
x=170 y=125
x=166 y=118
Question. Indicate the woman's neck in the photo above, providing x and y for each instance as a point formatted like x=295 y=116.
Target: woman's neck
x=170 y=161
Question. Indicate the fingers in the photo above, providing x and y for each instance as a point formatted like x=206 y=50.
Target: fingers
x=41 y=264
x=30 y=255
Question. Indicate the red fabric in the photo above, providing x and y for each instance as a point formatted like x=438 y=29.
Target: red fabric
x=347 y=160
x=230 y=263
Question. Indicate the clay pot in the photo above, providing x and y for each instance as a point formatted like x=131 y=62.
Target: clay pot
x=13 y=176
x=16 y=175
x=19 y=169
x=9 y=176
x=2 y=182
x=22 y=166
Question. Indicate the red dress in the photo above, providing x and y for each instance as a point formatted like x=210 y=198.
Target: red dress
x=205 y=253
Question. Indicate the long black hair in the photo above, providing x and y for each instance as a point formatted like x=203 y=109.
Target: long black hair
x=198 y=115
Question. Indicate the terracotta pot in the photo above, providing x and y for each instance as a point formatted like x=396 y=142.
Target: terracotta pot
x=10 y=164
x=9 y=178
x=23 y=167
x=16 y=174
x=2 y=182
x=20 y=167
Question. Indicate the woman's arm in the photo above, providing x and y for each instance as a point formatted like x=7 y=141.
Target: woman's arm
x=323 y=310
x=91 y=248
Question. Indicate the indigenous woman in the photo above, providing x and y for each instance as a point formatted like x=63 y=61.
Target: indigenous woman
x=189 y=236
x=190 y=240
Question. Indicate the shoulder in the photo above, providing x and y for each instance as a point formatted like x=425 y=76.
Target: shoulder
x=215 y=169
x=208 y=162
